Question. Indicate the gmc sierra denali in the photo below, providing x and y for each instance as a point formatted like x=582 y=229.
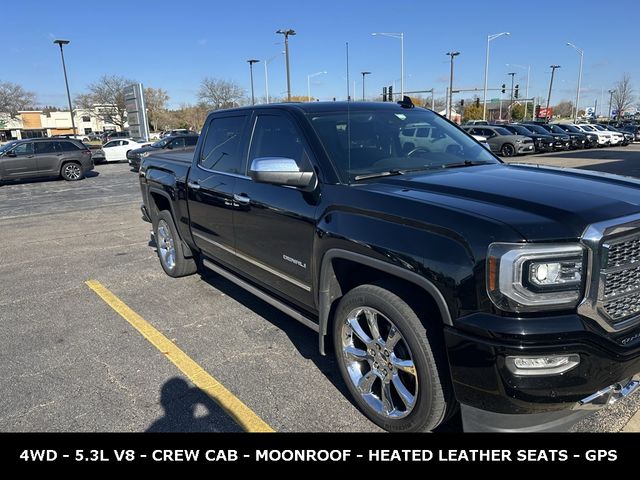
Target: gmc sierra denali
x=441 y=277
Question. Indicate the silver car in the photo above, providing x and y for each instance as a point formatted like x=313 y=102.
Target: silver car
x=501 y=140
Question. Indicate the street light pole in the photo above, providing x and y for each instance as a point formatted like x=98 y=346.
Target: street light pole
x=309 y=77
x=452 y=55
x=251 y=62
x=286 y=34
x=486 y=72
x=581 y=52
x=401 y=37
x=611 y=92
x=513 y=74
x=363 y=75
x=66 y=82
x=526 y=102
x=553 y=70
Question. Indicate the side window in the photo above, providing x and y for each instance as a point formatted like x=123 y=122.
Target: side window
x=178 y=143
x=191 y=141
x=221 y=148
x=44 y=147
x=277 y=136
x=24 y=149
x=124 y=142
x=66 y=147
x=422 y=133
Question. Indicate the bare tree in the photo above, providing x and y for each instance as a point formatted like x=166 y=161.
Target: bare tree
x=193 y=116
x=563 y=109
x=107 y=95
x=622 y=95
x=155 y=100
x=14 y=98
x=217 y=93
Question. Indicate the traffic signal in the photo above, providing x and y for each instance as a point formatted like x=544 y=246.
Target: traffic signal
x=515 y=93
x=461 y=103
x=390 y=90
x=384 y=94
x=477 y=102
x=503 y=87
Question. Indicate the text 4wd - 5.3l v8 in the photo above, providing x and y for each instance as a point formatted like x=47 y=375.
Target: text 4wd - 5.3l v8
x=441 y=276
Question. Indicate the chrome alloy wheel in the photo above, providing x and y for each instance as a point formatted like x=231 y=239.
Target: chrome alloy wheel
x=166 y=246
x=379 y=363
x=72 y=171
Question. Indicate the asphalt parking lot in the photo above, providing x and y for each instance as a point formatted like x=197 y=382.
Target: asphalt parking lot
x=69 y=362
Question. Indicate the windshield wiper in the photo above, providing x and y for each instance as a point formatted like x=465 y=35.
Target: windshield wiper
x=392 y=171
x=466 y=163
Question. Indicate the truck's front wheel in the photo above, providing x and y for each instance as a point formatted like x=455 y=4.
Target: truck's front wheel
x=387 y=362
x=169 y=248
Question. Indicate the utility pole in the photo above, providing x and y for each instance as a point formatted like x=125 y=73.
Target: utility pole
x=66 y=82
x=553 y=69
x=286 y=34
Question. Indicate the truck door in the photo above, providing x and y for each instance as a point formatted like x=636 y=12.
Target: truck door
x=274 y=225
x=211 y=182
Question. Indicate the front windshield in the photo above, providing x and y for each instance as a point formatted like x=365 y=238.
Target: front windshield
x=520 y=130
x=571 y=128
x=538 y=129
x=7 y=146
x=376 y=141
x=598 y=127
x=556 y=129
x=161 y=143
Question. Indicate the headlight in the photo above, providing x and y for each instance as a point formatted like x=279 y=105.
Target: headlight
x=145 y=154
x=532 y=277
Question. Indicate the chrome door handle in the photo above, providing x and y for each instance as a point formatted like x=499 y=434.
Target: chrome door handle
x=241 y=199
x=193 y=185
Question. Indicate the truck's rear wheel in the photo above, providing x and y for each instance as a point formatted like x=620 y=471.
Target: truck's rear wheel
x=169 y=247
x=386 y=360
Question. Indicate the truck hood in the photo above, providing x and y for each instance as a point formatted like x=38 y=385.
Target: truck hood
x=541 y=203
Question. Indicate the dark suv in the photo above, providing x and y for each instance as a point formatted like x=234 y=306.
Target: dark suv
x=44 y=157
x=178 y=142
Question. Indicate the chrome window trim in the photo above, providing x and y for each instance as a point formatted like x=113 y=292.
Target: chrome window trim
x=594 y=239
x=218 y=172
x=255 y=262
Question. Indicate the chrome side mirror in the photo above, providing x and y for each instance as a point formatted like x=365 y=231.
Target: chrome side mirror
x=281 y=171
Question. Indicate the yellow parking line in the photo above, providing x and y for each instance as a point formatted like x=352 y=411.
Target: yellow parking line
x=243 y=415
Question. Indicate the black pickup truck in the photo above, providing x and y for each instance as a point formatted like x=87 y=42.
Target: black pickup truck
x=441 y=277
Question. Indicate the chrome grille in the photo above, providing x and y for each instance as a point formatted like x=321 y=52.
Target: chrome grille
x=621 y=278
x=624 y=253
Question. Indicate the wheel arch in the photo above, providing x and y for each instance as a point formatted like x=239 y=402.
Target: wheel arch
x=330 y=290
x=161 y=199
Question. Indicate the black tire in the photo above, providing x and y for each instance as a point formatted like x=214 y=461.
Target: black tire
x=508 y=150
x=167 y=238
x=72 y=171
x=429 y=408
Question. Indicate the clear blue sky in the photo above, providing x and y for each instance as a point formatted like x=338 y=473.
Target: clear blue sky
x=173 y=45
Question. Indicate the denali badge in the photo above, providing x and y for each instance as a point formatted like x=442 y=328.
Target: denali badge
x=293 y=260
x=630 y=339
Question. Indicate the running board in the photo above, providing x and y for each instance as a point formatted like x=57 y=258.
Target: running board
x=283 y=307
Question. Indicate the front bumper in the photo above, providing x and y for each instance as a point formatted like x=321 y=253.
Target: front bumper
x=494 y=398
x=525 y=148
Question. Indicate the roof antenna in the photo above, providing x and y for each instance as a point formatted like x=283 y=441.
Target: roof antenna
x=406 y=102
x=348 y=88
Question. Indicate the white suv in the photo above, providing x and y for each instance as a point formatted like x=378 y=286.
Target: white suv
x=604 y=138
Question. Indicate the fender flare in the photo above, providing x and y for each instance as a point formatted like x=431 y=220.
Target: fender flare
x=326 y=295
x=187 y=249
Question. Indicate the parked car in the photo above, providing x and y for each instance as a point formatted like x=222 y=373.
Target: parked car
x=107 y=136
x=542 y=143
x=561 y=141
x=482 y=141
x=604 y=138
x=633 y=130
x=82 y=138
x=116 y=150
x=44 y=157
x=95 y=136
x=625 y=138
x=177 y=131
x=576 y=140
x=441 y=279
x=590 y=139
x=501 y=140
x=169 y=143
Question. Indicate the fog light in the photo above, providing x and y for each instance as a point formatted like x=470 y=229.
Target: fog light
x=542 y=365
